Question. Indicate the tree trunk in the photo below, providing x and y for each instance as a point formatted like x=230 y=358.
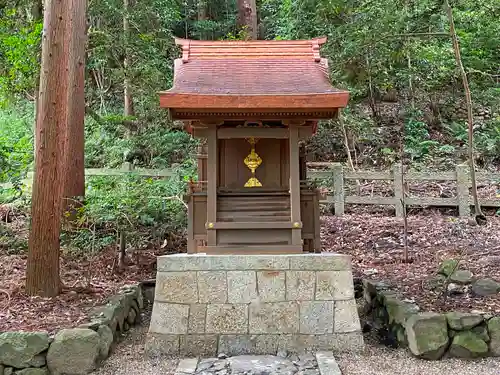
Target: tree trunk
x=42 y=271
x=480 y=218
x=74 y=174
x=37 y=14
x=247 y=18
x=127 y=94
x=202 y=16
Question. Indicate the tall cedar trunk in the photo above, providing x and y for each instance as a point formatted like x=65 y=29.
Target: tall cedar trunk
x=247 y=18
x=37 y=14
x=42 y=271
x=203 y=16
x=127 y=94
x=74 y=174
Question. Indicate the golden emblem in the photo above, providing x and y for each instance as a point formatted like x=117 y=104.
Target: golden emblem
x=252 y=161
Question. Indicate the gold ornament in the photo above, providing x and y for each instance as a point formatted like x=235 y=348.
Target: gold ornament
x=252 y=161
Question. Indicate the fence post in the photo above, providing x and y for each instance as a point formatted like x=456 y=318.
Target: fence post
x=127 y=167
x=397 y=173
x=462 y=172
x=338 y=188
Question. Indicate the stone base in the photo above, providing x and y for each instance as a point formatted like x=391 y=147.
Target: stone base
x=253 y=304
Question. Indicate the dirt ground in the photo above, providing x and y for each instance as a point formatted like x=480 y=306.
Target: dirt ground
x=375 y=243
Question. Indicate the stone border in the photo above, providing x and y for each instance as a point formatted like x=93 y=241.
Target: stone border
x=76 y=350
x=429 y=335
x=327 y=365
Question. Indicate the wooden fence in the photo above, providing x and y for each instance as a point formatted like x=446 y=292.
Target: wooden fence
x=339 y=175
x=461 y=176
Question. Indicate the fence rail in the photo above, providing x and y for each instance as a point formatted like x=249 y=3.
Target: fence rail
x=461 y=176
x=339 y=175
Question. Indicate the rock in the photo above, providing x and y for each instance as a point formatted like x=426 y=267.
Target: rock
x=222 y=356
x=33 y=371
x=482 y=332
x=494 y=332
x=448 y=266
x=427 y=335
x=8 y=371
x=455 y=289
x=106 y=340
x=22 y=349
x=282 y=353
x=132 y=315
x=467 y=344
x=261 y=364
x=463 y=321
x=370 y=272
x=462 y=277
x=399 y=311
x=485 y=287
x=74 y=351
x=491 y=260
x=1 y=369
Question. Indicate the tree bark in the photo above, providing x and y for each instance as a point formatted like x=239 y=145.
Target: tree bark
x=202 y=16
x=74 y=174
x=480 y=218
x=37 y=14
x=247 y=18
x=42 y=271
x=127 y=94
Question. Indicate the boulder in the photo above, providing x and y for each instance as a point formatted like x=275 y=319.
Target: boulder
x=482 y=332
x=463 y=321
x=485 y=287
x=448 y=266
x=399 y=311
x=467 y=344
x=106 y=340
x=74 y=351
x=132 y=315
x=23 y=349
x=494 y=332
x=33 y=371
x=427 y=335
x=8 y=371
x=461 y=277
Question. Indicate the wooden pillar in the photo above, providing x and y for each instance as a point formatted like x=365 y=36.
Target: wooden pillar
x=212 y=151
x=295 y=185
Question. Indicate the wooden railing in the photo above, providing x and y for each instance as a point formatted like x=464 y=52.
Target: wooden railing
x=340 y=176
x=461 y=176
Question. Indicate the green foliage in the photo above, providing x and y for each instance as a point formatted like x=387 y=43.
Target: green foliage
x=146 y=209
x=416 y=142
x=19 y=54
x=16 y=149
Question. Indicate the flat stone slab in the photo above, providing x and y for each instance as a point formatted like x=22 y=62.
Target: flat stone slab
x=256 y=365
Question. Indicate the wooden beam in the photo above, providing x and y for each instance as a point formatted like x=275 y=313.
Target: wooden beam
x=295 y=185
x=212 y=161
x=254 y=225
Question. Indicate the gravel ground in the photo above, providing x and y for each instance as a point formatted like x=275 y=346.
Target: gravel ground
x=381 y=361
x=128 y=359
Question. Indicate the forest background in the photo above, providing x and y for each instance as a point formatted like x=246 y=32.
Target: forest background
x=396 y=59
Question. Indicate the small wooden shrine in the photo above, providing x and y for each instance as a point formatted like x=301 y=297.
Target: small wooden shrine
x=252 y=103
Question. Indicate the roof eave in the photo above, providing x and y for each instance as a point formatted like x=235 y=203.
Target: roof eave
x=190 y=101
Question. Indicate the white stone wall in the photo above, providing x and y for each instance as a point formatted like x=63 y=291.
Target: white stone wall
x=256 y=304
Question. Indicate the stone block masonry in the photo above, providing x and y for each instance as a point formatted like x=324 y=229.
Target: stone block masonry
x=253 y=304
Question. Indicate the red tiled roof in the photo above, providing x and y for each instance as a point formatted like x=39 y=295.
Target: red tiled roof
x=252 y=75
